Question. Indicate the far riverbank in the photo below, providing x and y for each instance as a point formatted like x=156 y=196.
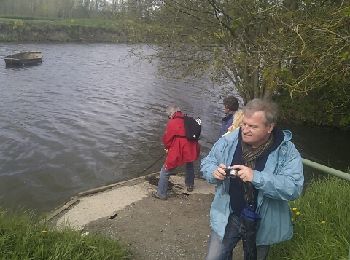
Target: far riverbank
x=29 y=29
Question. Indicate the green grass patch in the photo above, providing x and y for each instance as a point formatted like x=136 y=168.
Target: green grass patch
x=11 y=17
x=23 y=236
x=84 y=22
x=321 y=223
x=32 y=29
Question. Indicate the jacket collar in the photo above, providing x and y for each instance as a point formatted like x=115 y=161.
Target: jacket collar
x=227 y=117
x=177 y=114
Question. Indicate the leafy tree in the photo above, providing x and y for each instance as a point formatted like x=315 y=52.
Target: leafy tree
x=317 y=75
x=288 y=50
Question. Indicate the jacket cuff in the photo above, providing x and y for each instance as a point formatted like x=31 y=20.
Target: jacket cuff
x=258 y=180
x=209 y=175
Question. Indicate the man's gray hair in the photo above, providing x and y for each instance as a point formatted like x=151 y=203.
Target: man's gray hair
x=270 y=108
x=170 y=110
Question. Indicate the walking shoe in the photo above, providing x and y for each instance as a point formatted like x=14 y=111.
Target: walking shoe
x=190 y=188
x=155 y=195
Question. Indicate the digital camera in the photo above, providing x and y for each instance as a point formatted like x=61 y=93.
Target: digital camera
x=230 y=172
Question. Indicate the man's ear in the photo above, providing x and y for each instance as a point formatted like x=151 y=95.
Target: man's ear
x=271 y=127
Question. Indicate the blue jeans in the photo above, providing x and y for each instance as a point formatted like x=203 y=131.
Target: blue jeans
x=222 y=249
x=164 y=179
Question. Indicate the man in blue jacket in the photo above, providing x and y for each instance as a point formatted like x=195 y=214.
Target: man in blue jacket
x=268 y=170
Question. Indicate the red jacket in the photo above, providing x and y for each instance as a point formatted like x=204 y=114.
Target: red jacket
x=180 y=150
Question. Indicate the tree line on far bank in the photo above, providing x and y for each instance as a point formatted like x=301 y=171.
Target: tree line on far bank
x=293 y=51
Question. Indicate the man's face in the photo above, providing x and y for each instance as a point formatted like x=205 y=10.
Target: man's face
x=255 y=131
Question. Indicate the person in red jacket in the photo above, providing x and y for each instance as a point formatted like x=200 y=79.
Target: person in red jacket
x=179 y=151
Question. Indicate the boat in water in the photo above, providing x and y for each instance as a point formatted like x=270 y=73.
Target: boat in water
x=26 y=58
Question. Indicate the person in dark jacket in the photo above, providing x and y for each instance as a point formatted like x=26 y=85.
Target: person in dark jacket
x=230 y=107
x=179 y=151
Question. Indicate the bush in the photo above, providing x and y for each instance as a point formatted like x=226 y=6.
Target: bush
x=321 y=223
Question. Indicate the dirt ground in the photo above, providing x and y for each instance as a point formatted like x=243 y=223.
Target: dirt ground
x=155 y=229
x=177 y=228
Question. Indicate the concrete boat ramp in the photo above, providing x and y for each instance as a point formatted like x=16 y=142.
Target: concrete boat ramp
x=106 y=201
x=177 y=228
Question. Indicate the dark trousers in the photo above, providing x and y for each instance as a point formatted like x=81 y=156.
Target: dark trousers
x=222 y=249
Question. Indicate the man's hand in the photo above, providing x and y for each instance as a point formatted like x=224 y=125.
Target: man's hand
x=244 y=173
x=166 y=150
x=220 y=173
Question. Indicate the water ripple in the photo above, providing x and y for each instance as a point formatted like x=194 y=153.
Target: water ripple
x=89 y=115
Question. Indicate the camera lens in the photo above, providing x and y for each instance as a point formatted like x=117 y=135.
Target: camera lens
x=231 y=173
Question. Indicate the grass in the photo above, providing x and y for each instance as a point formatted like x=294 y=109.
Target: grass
x=321 y=231
x=19 y=29
x=85 y=22
x=23 y=236
x=321 y=223
x=110 y=23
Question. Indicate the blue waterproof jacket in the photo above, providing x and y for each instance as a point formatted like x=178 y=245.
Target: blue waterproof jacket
x=281 y=180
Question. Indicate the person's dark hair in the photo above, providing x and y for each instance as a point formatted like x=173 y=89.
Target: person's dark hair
x=231 y=103
x=270 y=108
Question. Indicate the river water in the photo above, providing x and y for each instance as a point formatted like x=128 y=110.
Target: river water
x=91 y=115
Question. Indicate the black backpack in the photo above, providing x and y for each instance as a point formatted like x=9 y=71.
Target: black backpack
x=193 y=127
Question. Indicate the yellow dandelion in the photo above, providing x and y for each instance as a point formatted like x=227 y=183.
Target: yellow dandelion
x=323 y=222
x=294 y=209
x=298 y=213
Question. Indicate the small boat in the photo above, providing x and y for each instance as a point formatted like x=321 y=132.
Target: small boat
x=24 y=58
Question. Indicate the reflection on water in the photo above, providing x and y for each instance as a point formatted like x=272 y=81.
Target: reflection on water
x=327 y=146
x=92 y=115
x=330 y=147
